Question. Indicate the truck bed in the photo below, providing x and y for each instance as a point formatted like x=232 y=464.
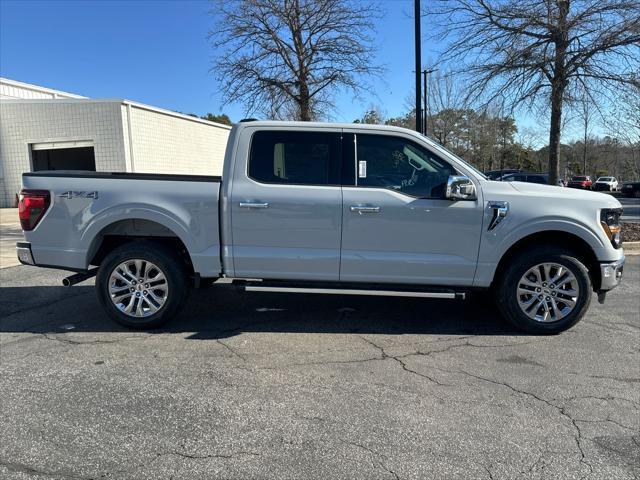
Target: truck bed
x=86 y=207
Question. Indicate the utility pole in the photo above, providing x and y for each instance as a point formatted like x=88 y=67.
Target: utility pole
x=425 y=72
x=425 y=108
x=416 y=5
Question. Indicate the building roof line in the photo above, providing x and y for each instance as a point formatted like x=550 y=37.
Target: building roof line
x=38 y=88
x=171 y=113
x=121 y=101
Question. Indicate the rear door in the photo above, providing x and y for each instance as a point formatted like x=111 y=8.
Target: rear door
x=286 y=205
x=397 y=226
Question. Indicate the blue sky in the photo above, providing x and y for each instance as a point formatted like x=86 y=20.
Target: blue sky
x=156 y=52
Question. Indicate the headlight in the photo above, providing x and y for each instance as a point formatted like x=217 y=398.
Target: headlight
x=610 y=222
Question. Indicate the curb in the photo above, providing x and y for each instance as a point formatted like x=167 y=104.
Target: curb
x=631 y=248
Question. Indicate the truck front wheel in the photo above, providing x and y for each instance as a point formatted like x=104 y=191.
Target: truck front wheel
x=546 y=290
x=141 y=284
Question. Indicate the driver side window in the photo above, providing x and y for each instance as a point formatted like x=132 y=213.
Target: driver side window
x=399 y=164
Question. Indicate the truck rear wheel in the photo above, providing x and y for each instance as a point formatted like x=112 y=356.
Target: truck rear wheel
x=546 y=290
x=141 y=285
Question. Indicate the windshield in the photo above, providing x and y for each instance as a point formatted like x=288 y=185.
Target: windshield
x=461 y=160
x=605 y=179
x=579 y=178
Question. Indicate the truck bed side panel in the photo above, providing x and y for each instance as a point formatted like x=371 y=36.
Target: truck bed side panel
x=70 y=231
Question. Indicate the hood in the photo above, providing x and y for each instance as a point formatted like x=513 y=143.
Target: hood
x=561 y=193
x=536 y=190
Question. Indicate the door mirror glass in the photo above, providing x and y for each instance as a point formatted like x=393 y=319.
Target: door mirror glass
x=460 y=187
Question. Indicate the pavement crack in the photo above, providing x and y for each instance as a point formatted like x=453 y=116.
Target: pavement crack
x=232 y=350
x=561 y=409
x=226 y=456
x=378 y=459
x=616 y=378
x=398 y=359
x=466 y=344
x=488 y=470
x=17 y=467
x=607 y=420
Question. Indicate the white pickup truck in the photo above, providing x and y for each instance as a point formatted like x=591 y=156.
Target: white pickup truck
x=328 y=209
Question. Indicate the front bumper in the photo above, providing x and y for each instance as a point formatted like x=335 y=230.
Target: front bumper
x=611 y=274
x=23 y=249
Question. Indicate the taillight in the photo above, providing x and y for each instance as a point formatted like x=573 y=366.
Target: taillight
x=32 y=207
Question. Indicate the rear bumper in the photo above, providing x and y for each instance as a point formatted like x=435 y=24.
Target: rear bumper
x=611 y=274
x=23 y=250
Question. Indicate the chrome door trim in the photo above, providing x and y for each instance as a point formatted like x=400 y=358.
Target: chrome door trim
x=365 y=209
x=254 y=205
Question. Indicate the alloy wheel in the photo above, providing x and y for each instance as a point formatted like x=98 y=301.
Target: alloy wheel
x=138 y=288
x=548 y=292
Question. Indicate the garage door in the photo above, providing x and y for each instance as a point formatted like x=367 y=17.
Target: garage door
x=76 y=155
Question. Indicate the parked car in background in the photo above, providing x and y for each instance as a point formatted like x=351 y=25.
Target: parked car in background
x=498 y=174
x=580 y=181
x=610 y=184
x=631 y=189
x=527 y=177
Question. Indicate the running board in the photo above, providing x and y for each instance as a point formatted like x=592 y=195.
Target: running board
x=349 y=291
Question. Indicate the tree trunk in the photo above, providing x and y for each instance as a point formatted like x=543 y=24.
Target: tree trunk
x=558 y=85
x=554 y=134
x=304 y=103
x=584 y=154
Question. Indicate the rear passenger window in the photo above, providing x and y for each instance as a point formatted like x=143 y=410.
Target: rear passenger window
x=298 y=158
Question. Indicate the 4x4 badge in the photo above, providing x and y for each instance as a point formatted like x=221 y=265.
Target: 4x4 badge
x=71 y=194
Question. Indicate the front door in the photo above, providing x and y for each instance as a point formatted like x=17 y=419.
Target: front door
x=397 y=225
x=286 y=207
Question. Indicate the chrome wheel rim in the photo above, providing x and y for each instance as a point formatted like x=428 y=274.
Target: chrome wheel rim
x=138 y=288
x=548 y=292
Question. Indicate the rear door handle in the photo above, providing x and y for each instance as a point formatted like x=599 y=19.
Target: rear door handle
x=360 y=209
x=254 y=205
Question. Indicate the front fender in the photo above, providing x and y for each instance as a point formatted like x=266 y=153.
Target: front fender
x=496 y=243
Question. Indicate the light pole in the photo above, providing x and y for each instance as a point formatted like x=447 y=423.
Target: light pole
x=416 y=5
x=426 y=98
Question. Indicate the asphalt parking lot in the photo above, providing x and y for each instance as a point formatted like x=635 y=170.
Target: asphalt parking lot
x=254 y=385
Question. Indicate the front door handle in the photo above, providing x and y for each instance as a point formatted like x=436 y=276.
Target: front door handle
x=360 y=209
x=254 y=205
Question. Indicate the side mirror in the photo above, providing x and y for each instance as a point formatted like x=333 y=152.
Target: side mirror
x=460 y=187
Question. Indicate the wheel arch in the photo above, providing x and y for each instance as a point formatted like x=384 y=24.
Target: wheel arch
x=569 y=241
x=123 y=231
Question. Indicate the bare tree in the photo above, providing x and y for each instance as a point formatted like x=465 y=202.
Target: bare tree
x=537 y=52
x=623 y=122
x=586 y=113
x=287 y=58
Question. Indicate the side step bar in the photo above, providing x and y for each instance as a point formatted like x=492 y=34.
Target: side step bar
x=350 y=291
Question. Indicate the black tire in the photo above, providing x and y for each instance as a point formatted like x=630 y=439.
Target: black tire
x=168 y=263
x=507 y=297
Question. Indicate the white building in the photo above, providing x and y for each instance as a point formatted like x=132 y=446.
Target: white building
x=45 y=129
